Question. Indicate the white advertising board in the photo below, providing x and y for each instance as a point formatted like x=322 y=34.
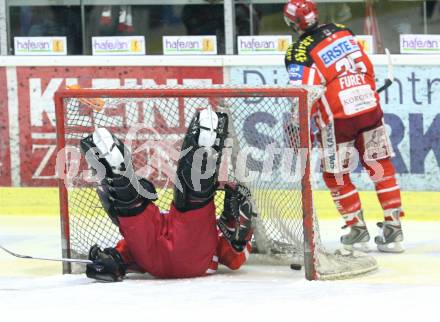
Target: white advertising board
x=419 y=44
x=118 y=45
x=40 y=46
x=189 y=45
x=263 y=45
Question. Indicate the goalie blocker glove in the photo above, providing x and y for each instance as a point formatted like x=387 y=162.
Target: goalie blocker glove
x=108 y=265
x=235 y=223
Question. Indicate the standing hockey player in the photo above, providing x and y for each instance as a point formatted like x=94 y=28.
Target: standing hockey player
x=349 y=118
x=186 y=241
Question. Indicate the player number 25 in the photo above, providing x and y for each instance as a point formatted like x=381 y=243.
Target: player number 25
x=349 y=63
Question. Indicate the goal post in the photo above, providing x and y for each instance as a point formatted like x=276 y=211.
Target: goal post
x=269 y=150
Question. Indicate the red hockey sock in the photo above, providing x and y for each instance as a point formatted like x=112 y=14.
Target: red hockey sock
x=345 y=196
x=387 y=189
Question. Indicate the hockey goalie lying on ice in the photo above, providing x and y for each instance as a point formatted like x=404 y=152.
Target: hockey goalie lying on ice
x=187 y=240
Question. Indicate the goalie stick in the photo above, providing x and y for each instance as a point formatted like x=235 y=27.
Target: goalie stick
x=68 y=260
x=390 y=78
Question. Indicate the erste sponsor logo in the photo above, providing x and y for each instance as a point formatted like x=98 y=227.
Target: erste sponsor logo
x=338 y=49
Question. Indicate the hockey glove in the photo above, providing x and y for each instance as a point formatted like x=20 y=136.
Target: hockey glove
x=236 y=220
x=108 y=265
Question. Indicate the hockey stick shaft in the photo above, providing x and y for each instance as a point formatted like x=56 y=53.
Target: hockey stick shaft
x=390 y=77
x=68 y=260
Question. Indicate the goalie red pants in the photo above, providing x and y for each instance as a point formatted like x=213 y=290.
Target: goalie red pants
x=176 y=244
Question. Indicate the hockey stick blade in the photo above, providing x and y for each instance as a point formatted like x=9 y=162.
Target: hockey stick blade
x=68 y=260
x=390 y=77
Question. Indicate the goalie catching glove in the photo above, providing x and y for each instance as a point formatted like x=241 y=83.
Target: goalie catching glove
x=108 y=265
x=235 y=223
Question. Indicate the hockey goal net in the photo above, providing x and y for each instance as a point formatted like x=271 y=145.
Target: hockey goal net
x=268 y=149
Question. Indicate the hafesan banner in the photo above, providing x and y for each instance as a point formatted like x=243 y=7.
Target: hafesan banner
x=419 y=44
x=118 y=45
x=40 y=46
x=263 y=45
x=189 y=45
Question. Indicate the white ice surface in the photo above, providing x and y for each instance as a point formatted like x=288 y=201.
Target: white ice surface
x=406 y=287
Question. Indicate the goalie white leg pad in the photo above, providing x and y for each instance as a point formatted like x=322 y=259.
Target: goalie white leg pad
x=106 y=144
x=121 y=192
x=208 y=122
x=198 y=168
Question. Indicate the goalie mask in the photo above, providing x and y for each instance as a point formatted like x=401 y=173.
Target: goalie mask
x=301 y=15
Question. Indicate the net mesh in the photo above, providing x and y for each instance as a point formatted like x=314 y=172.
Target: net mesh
x=262 y=151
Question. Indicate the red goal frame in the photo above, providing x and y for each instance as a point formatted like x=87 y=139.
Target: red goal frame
x=304 y=119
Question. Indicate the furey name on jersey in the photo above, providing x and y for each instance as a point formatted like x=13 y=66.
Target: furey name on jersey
x=338 y=49
x=351 y=80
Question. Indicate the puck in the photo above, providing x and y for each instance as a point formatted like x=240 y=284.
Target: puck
x=296 y=267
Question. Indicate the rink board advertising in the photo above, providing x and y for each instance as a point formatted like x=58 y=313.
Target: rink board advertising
x=33 y=110
x=40 y=46
x=122 y=45
x=28 y=136
x=189 y=45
